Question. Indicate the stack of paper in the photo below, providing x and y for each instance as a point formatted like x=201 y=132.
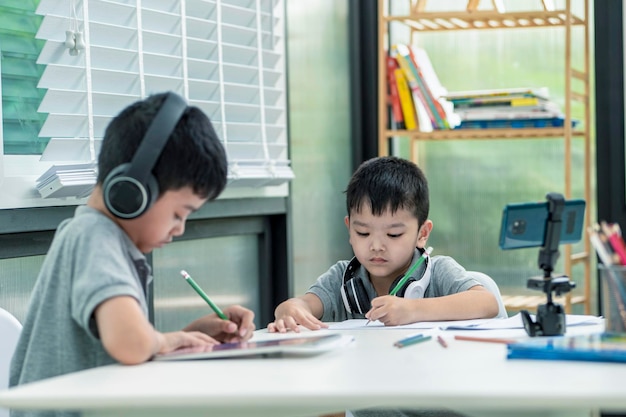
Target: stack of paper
x=513 y=322
x=76 y=180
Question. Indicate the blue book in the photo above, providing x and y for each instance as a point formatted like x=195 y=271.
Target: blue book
x=514 y=123
x=599 y=347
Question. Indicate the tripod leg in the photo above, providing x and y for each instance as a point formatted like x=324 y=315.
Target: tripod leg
x=529 y=325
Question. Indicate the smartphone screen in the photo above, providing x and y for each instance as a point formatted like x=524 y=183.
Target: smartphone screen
x=523 y=224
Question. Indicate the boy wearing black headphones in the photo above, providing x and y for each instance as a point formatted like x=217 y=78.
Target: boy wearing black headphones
x=160 y=161
x=388 y=204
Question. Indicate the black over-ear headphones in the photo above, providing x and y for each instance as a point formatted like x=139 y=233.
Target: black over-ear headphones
x=130 y=189
x=354 y=294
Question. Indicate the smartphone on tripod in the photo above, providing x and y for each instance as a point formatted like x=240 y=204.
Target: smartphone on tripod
x=524 y=224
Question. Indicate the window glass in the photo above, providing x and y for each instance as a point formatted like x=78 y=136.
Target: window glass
x=69 y=67
x=19 y=49
x=233 y=278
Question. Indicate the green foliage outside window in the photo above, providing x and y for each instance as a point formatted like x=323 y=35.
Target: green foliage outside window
x=20 y=73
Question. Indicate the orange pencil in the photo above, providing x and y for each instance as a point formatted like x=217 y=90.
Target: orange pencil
x=484 y=339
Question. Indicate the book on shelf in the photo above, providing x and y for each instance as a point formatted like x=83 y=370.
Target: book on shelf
x=598 y=347
x=541 y=92
x=406 y=102
x=502 y=101
x=432 y=111
x=431 y=86
x=507 y=108
x=535 y=123
x=396 y=119
x=547 y=111
x=426 y=118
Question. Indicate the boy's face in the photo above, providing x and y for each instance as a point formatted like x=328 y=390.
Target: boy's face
x=384 y=244
x=164 y=220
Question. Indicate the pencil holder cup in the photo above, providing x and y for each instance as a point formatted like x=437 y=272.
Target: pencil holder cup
x=613 y=297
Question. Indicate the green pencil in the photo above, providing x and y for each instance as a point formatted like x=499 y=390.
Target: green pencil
x=202 y=294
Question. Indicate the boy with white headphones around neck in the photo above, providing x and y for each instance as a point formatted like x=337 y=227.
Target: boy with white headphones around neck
x=388 y=202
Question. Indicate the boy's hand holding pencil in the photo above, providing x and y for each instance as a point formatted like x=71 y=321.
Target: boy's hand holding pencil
x=234 y=324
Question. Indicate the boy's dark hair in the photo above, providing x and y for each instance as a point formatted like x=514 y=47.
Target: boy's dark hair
x=389 y=183
x=192 y=157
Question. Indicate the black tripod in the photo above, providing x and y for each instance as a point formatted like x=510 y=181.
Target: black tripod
x=550 y=320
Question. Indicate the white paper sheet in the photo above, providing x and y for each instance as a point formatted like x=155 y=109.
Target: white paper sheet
x=514 y=322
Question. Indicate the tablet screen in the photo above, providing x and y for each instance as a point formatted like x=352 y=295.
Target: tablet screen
x=302 y=345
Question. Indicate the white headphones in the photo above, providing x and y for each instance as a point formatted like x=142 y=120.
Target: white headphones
x=354 y=294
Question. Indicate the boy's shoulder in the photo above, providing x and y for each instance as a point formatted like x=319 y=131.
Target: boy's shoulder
x=444 y=259
x=90 y=234
x=84 y=216
x=86 y=224
x=446 y=265
x=448 y=277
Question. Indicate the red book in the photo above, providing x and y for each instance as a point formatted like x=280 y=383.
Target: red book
x=396 y=109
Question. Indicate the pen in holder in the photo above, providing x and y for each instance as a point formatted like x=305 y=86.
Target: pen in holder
x=613 y=297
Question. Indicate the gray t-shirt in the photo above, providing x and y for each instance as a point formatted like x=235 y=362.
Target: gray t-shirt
x=90 y=260
x=447 y=277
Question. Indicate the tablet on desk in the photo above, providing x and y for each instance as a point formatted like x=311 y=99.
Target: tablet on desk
x=291 y=346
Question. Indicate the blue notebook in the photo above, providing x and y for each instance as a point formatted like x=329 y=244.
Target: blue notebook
x=599 y=347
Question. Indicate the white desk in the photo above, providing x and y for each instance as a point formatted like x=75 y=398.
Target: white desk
x=470 y=377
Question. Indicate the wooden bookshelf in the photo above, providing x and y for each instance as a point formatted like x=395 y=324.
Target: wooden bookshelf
x=419 y=20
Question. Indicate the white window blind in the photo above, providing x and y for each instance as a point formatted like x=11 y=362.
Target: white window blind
x=225 y=56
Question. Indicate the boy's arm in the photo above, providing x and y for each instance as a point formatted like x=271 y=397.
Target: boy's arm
x=475 y=303
x=129 y=337
x=306 y=310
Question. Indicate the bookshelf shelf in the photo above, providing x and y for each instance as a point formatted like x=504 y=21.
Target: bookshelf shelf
x=418 y=20
x=438 y=22
x=473 y=134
